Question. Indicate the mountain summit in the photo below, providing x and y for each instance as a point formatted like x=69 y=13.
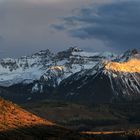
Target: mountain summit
x=70 y=74
x=28 y=69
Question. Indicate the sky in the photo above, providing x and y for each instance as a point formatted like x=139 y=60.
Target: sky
x=28 y=26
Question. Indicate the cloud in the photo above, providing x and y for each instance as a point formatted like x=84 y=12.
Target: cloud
x=57 y=27
x=1 y=38
x=25 y=25
x=116 y=23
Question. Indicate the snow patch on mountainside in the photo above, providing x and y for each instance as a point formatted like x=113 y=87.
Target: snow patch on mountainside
x=28 y=69
x=131 y=66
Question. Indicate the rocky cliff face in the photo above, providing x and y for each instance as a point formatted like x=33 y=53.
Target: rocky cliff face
x=106 y=82
x=31 y=68
x=73 y=75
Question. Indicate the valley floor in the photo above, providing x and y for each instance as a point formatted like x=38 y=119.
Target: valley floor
x=107 y=121
x=69 y=121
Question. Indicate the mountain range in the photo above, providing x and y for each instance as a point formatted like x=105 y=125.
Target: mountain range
x=73 y=75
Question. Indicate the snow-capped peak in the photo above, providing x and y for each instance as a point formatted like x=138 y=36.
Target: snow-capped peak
x=28 y=69
x=128 y=55
x=74 y=72
x=131 y=66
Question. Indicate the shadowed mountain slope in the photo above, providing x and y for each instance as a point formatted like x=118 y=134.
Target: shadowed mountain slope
x=18 y=124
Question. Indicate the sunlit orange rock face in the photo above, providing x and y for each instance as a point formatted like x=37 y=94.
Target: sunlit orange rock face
x=12 y=116
x=132 y=66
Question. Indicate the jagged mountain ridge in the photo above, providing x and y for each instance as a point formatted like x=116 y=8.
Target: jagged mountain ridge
x=107 y=81
x=69 y=74
x=24 y=69
x=37 y=66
